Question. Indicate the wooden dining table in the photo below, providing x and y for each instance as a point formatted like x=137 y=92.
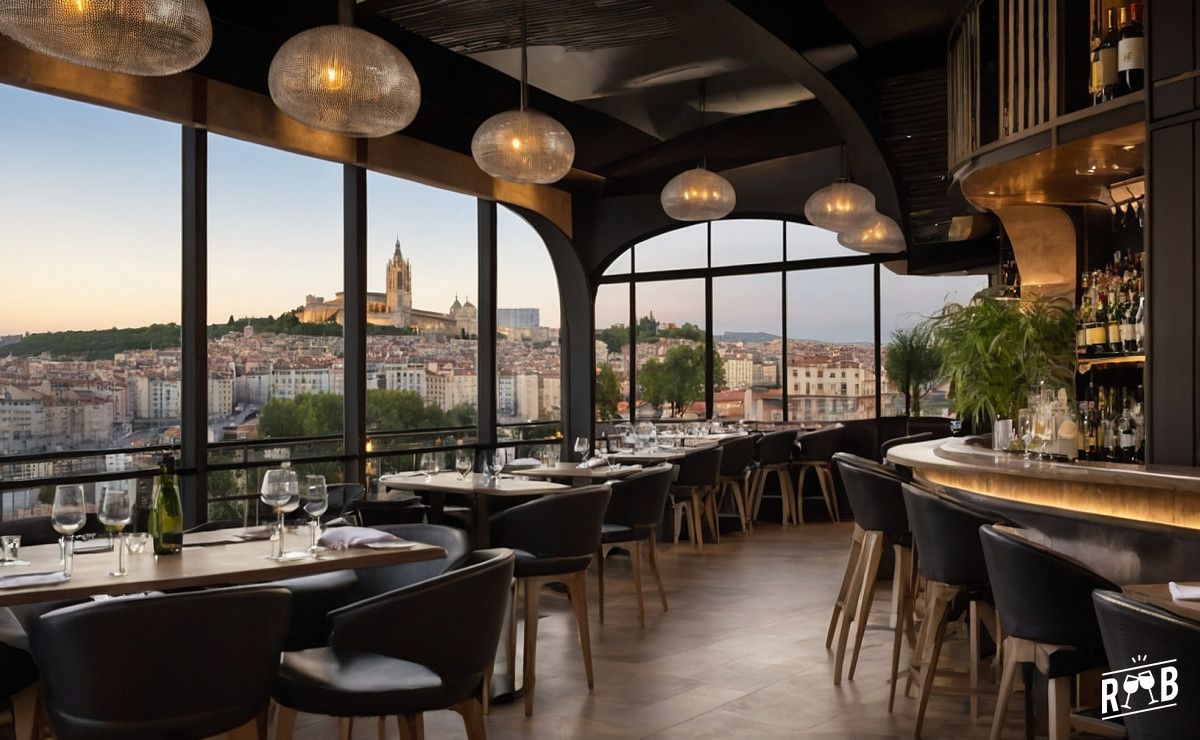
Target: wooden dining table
x=575 y=475
x=208 y=559
x=655 y=456
x=475 y=487
x=1159 y=594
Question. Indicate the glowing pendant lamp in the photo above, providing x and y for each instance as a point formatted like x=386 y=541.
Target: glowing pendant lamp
x=840 y=207
x=523 y=145
x=150 y=38
x=698 y=194
x=879 y=235
x=344 y=80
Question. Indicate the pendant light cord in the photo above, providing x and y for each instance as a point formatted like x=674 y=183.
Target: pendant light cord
x=345 y=12
x=703 y=159
x=524 y=60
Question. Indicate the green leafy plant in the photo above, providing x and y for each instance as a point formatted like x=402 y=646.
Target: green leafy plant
x=995 y=351
x=914 y=365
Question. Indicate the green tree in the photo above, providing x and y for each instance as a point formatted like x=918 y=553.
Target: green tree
x=914 y=365
x=307 y=415
x=647 y=329
x=687 y=331
x=608 y=393
x=614 y=337
x=677 y=379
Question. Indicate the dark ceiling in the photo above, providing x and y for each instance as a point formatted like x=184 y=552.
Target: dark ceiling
x=622 y=75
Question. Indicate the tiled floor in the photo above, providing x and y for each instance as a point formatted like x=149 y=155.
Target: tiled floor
x=741 y=654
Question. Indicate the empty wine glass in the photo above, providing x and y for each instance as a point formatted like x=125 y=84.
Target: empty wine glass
x=582 y=447
x=1130 y=684
x=1146 y=680
x=279 y=486
x=114 y=508
x=463 y=463
x=427 y=465
x=1025 y=432
x=67 y=516
x=316 y=503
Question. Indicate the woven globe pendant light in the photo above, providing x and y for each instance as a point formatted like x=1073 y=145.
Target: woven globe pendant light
x=523 y=145
x=149 y=38
x=344 y=80
x=842 y=206
x=877 y=235
x=698 y=194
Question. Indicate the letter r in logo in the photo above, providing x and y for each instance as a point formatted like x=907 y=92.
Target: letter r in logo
x=1108 y=695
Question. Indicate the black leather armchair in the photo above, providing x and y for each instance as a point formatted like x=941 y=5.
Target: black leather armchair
x=634 y=514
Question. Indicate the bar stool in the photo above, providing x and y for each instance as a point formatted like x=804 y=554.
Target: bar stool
x=815 y=453
x=1132 y=629
x=694 y=491
x=774 y=453
x=879 y=517
x=736 y=468
x=1046 y=612
x=951 y=560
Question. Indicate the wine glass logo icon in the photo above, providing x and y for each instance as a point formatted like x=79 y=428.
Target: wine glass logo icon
x=1160 y=676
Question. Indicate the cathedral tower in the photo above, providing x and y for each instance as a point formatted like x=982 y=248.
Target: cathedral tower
x=399 y=288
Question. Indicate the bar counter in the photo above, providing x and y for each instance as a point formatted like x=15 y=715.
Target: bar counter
x=1133 y=523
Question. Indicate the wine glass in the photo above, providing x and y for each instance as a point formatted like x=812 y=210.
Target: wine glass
x=428 y=466
x=582 y=447
x=1130 y=684
x=1146 y=680
x=279 y=485
x=114 y=508
x=67 y=516
x=1025 y=432
x=316 y=503
x=463 y=463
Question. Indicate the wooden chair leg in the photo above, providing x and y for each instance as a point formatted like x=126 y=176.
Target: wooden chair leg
x=600 y=579
x=636 y=552
x=759 y=482
x=903 y=557
x=677 y=509
x=839 y=605
x=345 y=728
x=696 y=529
x=248 y=731
x=577 y=591
x=709 y=502
x=25 y=713
x=285 y=723
x=787 y=494
x=825 y=479
x=973 y=638
x=662 y=591
x=485 y=690
x=1004 y=693
x=472 y=715
x=511 y=657
x=867 y=598
x=852 y=595
x=533 y=591
x=739 y=502
x=929 y=669
x=412 y=726
x=1059 y=711
x=263 y=721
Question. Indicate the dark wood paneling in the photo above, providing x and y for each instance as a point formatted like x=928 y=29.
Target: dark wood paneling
x=354 y=252
x=1171 y=47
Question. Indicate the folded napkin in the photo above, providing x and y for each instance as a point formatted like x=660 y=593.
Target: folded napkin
x=340 y=538
x=99 y=544
x=1180 y=592
x=25 y=580
x=593 y=462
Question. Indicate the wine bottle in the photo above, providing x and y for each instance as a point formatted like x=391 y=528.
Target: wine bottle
x=1131 y=49
x=1129 y=327
x=1098 y=333
x=166 y=517
x=1110 y=80
x=1125 y=430
x=1096 y=79
x=1113 y=327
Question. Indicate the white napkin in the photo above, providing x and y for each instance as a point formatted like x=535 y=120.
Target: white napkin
x=1180 y=592
x=25 y=580
x=592 y=462
x=340 y=538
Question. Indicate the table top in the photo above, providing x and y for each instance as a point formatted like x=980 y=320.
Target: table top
x=598 y=473
x=208 y=559
x=1159 y=594
x=662 y=454
x=450 y=482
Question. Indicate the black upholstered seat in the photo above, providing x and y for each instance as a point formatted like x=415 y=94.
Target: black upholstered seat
x=773 y=454
x=737 y=464
x=199 y=675
x=695 y=489
x=634 y=514
x=814 y=451
x=438 y=661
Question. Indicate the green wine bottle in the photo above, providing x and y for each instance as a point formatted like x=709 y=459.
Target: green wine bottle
x=166 y=518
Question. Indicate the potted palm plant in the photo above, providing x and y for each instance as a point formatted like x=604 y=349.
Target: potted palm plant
x=994 y=350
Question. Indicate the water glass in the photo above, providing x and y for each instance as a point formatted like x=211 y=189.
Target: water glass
x=137 y=542
x=10 y=550
x=114 y=508
x=67 y=516
x=316 y=503
x=463 y=463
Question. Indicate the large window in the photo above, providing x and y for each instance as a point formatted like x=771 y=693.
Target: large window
x=528 y=355
x=612 y=352
x=671 y=349
x=749 y=347
x=89 y=290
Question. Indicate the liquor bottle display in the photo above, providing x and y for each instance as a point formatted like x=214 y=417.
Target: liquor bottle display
x=1110 y=320
x=1111 y=430
x=1116 y=50
x=166 y=516
x=1096 y=66
x=1131 y=51
x=1110 y=81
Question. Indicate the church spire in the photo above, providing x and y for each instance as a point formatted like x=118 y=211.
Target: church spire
x=398 y=253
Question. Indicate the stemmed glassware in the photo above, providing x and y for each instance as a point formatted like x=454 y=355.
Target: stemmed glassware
x=316 y=503
x=583 y=448
x=429 y=465
x=463 y=463
x=67 y=516
x=114 y=508
x=1025 y=432
x=281 y=491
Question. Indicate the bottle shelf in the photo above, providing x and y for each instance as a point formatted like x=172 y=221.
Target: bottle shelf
x=1087 y=363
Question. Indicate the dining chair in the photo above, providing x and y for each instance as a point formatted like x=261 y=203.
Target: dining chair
x=1136 y=633
x=1046 y=612
x=372 y=669
x=815 y=452
x=737 y=464
x=634 y=514
x=555 y=538
x=774 y=455
x=315 y=596
x=946 y=536
x=18 y=678
x=342 y=499
x=879 y=521
x=386 y=512
x=694 y=492
x=184 y=665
